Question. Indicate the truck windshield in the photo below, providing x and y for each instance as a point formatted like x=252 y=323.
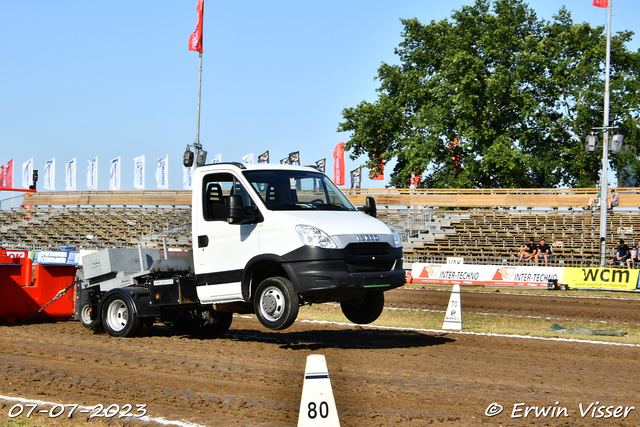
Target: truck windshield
x=297 y=190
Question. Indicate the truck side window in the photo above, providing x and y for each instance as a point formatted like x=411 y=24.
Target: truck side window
x=216 y=189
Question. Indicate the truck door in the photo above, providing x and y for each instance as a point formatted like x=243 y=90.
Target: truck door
x=223 y=249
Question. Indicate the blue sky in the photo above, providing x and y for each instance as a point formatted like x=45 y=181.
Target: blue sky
x=80 y=79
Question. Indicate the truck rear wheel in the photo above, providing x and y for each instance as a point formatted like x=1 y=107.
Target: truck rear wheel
x=118 y=316
x=88 y=313
x=364 y=310
x=276 y=303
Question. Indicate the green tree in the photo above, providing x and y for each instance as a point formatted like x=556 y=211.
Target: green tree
x=518 y=94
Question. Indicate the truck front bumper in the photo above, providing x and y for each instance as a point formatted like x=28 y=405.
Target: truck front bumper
x=329 y=280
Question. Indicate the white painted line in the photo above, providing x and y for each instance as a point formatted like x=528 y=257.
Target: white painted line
x=91 y=409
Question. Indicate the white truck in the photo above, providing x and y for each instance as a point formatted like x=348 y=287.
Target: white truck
x=266 y=239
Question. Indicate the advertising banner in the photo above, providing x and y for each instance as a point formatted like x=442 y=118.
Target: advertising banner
x=50 y=175
x=601 y=278
x=27 y=173
x=92 y=174
x=70 y=175
x=338 y=164
x=485 y=275
x=114 y=174
x=138 y=172
x=162 y=172
x=6 y=175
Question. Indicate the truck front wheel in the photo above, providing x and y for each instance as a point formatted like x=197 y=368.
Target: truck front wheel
x=276 y=303
x=118 y=316
x=364 y=310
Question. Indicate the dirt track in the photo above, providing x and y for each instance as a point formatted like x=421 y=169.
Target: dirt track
x=253 y=377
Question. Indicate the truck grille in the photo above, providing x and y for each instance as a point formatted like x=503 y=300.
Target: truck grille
x=368 y=249
x=359 y=258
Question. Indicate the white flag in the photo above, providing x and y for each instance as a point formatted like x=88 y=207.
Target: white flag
x=114 y=174
x=216 y=158
x=27 y=173
x=187 y=176
x=247 y=159
x=92 y=174
x=70 y=175
x=162 y=172
x=138 y=172
x=50 y=175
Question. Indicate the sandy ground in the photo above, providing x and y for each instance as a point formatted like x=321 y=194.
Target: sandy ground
x=253 y=376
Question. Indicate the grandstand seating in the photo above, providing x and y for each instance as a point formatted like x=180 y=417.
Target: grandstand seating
x=469 y=226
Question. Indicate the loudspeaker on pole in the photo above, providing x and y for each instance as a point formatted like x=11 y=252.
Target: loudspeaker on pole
x=453 y=316
x=317 y=406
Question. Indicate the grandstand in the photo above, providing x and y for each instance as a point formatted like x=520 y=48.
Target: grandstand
x=483 y=226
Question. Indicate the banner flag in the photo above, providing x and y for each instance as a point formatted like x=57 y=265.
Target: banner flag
x=138 y=172
x=114 y=174
x=356 y=178
x=415 y=180
x=50 y=175
x=338 y=164
x=294 y=158
x=27 y=173
x=248 y=159
x=601 y=3
x=187 y=178
x=92 y=174
x=70 y=175
x=162 y=172
x=321 y=165
x=372 y=173
x=217 y=158
x=264 y=157
x=6 y=175
x=195 y=41
x=285 y=161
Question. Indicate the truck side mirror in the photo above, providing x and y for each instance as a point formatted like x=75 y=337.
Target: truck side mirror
x=370 y=207
x=237 y=211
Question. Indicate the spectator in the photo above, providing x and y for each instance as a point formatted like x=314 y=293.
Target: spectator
x=544 y=251
x=528 y=251
x=622 y=254
x=635 y=253
x=594 y=202
x=613 y=199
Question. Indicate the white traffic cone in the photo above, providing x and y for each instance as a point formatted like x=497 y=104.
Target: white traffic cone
x=453 y=317
x=317 y=407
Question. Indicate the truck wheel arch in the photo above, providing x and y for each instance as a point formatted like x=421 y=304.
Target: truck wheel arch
x=259 y=268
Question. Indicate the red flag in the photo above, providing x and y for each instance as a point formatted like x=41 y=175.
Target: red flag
x=338 y=164
x=601 y=3
x=6 y=175
x=380 y=176
x=195 y=41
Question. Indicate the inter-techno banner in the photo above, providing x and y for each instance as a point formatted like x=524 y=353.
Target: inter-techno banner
x=138 y=172
x=162 y=172
x=92 y=174
x=70 y=175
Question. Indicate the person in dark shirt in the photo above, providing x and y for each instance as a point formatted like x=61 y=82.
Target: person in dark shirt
x=622 y=254
x=544 y=251
x=528 y=251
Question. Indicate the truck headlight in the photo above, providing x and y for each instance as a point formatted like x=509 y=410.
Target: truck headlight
x=312 y=236
x=397 y=242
